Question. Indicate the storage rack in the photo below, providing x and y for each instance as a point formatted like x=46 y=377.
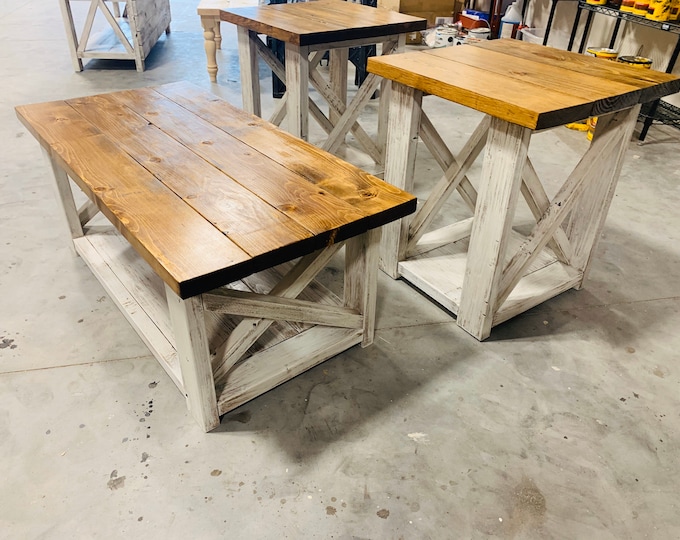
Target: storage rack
x=658 y=110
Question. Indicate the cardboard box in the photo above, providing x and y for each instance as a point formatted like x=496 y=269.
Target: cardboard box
x=433 y=10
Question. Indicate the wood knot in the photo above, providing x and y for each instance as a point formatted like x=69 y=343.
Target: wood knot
x=155 y=159
x=207 y=143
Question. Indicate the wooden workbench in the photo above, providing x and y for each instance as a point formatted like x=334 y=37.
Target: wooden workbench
x=479 y=267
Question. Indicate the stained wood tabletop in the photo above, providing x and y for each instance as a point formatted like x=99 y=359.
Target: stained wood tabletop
x=206 y=193
x=524 y=83
x=324 y=21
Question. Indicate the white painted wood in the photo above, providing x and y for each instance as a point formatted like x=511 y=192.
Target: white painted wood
x=71 y=35
x=87 y=212
x=587 y=171
x=268 y=369
x=361 y=278
x=64 y=194
x=129 y=38
x=280 y=111
x=338 y=106
x=588 y=219
x=250 y=329
x=440 y=275
x=349 y=117
x=445 y=158
x=188 y=323
x=136 y=275
x=210 y=25
x=389 y=47
x=250 y=77
x=505 y=156
x=355 y=43
x=451 y=180
x=281 y=309
x=113 y=277
x=297 y=87
x=442 y=236
x=535 y=288
x=538 y=203
x=400 y=155
x=338 y=59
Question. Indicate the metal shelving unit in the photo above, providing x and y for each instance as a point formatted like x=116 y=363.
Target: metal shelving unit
x=658 y=110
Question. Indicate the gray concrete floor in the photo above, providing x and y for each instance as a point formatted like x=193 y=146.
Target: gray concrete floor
x=563 y=425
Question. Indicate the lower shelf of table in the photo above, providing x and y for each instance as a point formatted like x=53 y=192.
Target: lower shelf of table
x=281 y=353
x=440 y=274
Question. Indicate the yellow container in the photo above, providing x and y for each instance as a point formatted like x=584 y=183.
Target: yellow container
x=603 y=52
x=659 y=10
x=641 y=7
x=596 y=2
x=607 y=54
x=674 y=14
x=636 y=61
x=627 y=6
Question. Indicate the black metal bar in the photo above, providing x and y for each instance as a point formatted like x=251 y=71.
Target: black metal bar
x=572 y=37
x=652 y=111
x=586 y=31
x=553 y=7
x=615 y=33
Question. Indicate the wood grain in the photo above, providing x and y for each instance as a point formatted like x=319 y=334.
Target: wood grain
x=343 y=180
x=203 y=207
x=526 y=84
x=241 y=215
x=322 y=22
x=153 y=219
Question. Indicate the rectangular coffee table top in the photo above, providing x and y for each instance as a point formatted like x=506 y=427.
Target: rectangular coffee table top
x=524 y=83
x=324 y=21
x=206 y=193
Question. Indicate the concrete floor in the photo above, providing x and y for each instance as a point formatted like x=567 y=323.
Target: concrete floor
x=565 y=424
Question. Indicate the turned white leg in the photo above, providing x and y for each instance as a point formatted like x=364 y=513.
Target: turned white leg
x=209 y=24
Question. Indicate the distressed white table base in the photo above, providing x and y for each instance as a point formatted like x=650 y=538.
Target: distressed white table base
x=299 y=73
x=480 y=268
x=226 y=347
x=129 y=38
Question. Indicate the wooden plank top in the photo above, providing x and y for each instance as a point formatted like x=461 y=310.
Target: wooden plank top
x=524 y=83
x=323 y=21
x=206 y=193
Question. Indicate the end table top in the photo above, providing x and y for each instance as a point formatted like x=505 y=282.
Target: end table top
x=323 y=21
x=527 y=84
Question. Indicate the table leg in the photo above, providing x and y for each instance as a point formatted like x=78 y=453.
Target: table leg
x=587 y=219
x=297 y=87
x=400 y=156
x=65 y=197
x=383 y=104
x=250 y=77
x=338 y=75
x=501 y=179
x=188 y=322
x=209 y=24
x=361 y=278
x=218 y=34
x=72 y=36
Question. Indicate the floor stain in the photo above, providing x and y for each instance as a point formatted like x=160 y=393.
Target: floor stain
x=115 y=482
x=331 y=511
x=242 y=417
x=7 y=343
x=529 y=507
x=659 y=373
x=383 y=513
x=215 y=472
x=153 y=384
x=145 y=456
